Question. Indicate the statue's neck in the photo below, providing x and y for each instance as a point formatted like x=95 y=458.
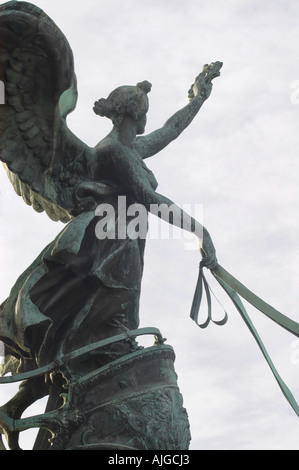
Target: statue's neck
x=126 y=132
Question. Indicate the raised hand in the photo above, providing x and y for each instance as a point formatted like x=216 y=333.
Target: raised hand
x=208 y=252
x=203 y=83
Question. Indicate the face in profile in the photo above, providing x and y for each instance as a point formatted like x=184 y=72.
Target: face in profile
x=141 y=123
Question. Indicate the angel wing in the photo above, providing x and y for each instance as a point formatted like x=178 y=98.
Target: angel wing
x=44 y=160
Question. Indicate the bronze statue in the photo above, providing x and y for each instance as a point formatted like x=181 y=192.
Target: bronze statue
x=83 y=288
x=71 y=321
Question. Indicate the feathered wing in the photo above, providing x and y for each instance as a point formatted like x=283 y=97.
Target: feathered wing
x=44 y=160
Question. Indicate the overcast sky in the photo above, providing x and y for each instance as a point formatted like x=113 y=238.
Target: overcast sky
x=238 y=159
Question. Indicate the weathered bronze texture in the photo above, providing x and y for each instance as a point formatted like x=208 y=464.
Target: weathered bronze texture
x=70 y=322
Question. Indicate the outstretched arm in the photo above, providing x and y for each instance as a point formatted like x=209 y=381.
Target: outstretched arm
x=200 y=91
x=134 y=181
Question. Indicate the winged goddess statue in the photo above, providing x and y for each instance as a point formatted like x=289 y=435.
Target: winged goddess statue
x=84 y=289
x=79 y=289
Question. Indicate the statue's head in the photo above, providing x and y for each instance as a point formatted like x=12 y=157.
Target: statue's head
x=125 y=101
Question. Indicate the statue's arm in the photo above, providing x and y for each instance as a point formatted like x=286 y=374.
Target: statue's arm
x=133 y=179
x=200 y=91
x=156 y=141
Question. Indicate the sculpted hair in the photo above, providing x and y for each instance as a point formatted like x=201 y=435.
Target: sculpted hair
x=124 y=100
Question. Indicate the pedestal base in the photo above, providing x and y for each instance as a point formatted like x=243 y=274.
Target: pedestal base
x=131 y=404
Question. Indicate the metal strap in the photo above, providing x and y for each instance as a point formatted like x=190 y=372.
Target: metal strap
x=233 y=287
x=202 y=283
x=222 y=275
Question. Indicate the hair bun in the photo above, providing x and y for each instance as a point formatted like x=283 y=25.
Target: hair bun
x=102 y=108
x=145 y=86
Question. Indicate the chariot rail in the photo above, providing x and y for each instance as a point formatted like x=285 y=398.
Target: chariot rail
x=60 y=361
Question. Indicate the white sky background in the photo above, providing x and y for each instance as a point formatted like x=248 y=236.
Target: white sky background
x=239 y=158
